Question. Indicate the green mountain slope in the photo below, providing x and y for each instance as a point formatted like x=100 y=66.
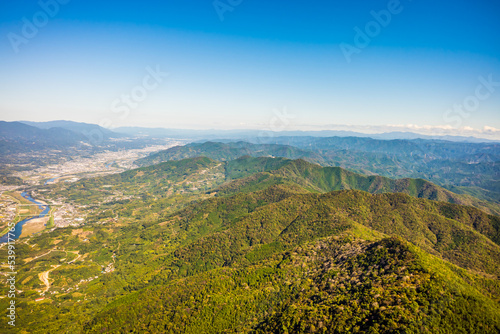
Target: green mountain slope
x=158 y=181
x=300 y=264
x=203 y=174
x=227 y=151
x=323 y=179
x=294 y=218
x=259 y=245
x=330 y=286
x=464 y=168
x=469 y=168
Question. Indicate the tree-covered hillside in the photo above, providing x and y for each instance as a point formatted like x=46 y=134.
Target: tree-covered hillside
x=286 y=260
x=202 y=174
x=226 y=152
x=269 y=245
x=323 y=179
x=464 y=168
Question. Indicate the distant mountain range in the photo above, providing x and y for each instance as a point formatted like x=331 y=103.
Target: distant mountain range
x=55 y=134
x=70 y=138
x=268 y=136
x=267 y=171
x=424 y=148
x=317 y=148
x=464 y=168
x=227 y=151
x=88 y=130
x=260 y=136
x=19 y=137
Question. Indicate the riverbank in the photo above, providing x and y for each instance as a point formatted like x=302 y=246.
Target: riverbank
x=34 y=225
x=37 y=219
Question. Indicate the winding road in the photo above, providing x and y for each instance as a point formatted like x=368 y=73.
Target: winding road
x=44 y=277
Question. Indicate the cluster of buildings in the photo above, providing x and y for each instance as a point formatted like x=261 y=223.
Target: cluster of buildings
x=67 y=215
x=90 y=279
x=109 y=269
x=99 y=164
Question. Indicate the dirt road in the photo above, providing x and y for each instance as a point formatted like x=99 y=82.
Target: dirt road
x=44 y=277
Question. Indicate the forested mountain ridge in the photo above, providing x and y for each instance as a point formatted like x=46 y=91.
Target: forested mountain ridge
x=324 y=179
x=226 y=152
x=251 y=173
x=296 y=262
x=331 y=286
x=262 y=245
x=431 y=149
x=471 y=168
x=464 y=168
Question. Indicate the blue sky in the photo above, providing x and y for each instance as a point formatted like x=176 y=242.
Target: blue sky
x=266 y=65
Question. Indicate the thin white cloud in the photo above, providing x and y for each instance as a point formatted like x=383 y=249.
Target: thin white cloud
x=487 y=132
x=488 y=129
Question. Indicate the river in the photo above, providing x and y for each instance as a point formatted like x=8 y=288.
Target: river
x=18 y=229
x=52 y=180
